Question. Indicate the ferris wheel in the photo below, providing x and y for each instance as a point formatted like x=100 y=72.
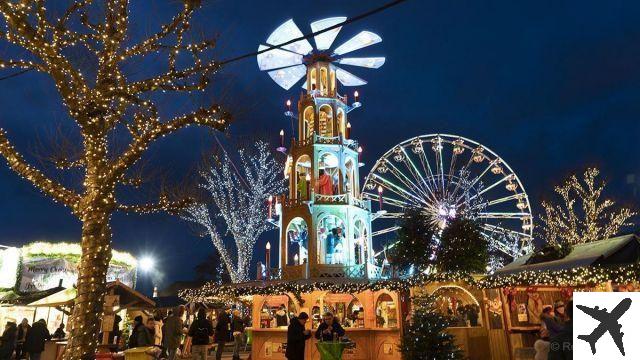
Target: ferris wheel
x=449 y=176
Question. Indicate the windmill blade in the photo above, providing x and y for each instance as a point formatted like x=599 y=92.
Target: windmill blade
x=289 y=76
x=277 y=58
x=348 y=79
x=363 y=39
x=368 y=62
x=289 y=31
x=324 y=40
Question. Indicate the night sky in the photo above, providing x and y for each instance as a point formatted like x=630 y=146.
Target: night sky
x=551 y=86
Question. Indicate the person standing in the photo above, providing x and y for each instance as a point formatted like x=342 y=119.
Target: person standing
x=158 y=325
x=223 y=327
x=297 y=336
x=173 y=331
x=562 y=343
x=200 y=331
x=282 y=318
x=59 y=333
x=36 y=337
x=23 y=329
x=329 y=329
x=237 y=326
x=8 y=340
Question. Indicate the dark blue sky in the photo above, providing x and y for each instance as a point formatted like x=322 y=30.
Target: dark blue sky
x=551 y=86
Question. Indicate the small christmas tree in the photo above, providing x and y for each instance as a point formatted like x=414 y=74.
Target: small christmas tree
x=425 y=337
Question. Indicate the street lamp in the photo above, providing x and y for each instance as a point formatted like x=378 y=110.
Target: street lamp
x=146 y=264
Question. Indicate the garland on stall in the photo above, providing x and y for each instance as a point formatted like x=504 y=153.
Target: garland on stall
x=576 y=277
x=580 y=276
x=212 y=290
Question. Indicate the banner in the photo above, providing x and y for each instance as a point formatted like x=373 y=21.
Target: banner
x=46 y=273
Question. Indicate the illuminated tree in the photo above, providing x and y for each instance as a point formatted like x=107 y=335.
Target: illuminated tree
x=240 y=200
x=462 y=248
x=106 y=103
x=426 y=336
x=581 y=216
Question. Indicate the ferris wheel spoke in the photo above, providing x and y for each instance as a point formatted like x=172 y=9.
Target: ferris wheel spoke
x=503 y=199
x=477 y=178
x=504 y=248
x=406 y=181
x=501 y=230
x=385 y=231
x=389 y=185
x=503 y=215
x=426 y=166
x=413 y=169
x=503 y=179
x=462 y=176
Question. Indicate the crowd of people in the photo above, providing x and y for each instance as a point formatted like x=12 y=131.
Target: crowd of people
x=166 y=335
x=26 y=341
x=556 y=333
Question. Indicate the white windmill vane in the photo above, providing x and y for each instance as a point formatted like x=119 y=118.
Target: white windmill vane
x=287 y=65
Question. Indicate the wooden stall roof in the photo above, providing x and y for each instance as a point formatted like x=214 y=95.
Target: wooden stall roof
x=129 y=298
x=619 y=250
x=12 y=298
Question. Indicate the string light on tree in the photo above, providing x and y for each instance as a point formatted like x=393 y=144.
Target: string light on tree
x=238 y=195
x=581 y=216
x=101 y=105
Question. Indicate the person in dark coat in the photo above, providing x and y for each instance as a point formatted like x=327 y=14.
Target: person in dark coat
x=140 y=335
x=562 y=344
x=329 y=328
x=23 y=329
x=237 y=329
x=59 y=333
x=223 y=329
x=282 y=318
x=297 y=337
x=200 y=331
x=36 y=337
x=8 y=340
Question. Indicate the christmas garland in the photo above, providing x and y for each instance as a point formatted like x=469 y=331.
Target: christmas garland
x=580 y=276
x=212 y=290
x=576 y=277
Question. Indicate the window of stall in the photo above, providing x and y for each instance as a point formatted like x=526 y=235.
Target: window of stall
x=346 y=309
x=459 y=303
x=386 y=312
x=276 y=311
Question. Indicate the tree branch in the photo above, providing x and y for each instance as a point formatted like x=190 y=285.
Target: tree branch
x=212 y=117
x=17 y=163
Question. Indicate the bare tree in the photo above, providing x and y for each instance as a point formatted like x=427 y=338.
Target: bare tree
x=581 y=216
x=239 y=197
x=102 y=103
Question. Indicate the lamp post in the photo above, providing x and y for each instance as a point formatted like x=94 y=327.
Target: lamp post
x=380 y=195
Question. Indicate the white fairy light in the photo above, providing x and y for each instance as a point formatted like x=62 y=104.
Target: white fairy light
x=243 y=208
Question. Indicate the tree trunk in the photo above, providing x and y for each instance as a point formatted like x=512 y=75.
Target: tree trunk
x=86 y=317
x=98 y=204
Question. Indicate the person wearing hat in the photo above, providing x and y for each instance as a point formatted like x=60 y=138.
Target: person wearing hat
x=297 y=336
x=552 y=323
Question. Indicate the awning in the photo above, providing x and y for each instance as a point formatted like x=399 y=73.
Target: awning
x=60 y=298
